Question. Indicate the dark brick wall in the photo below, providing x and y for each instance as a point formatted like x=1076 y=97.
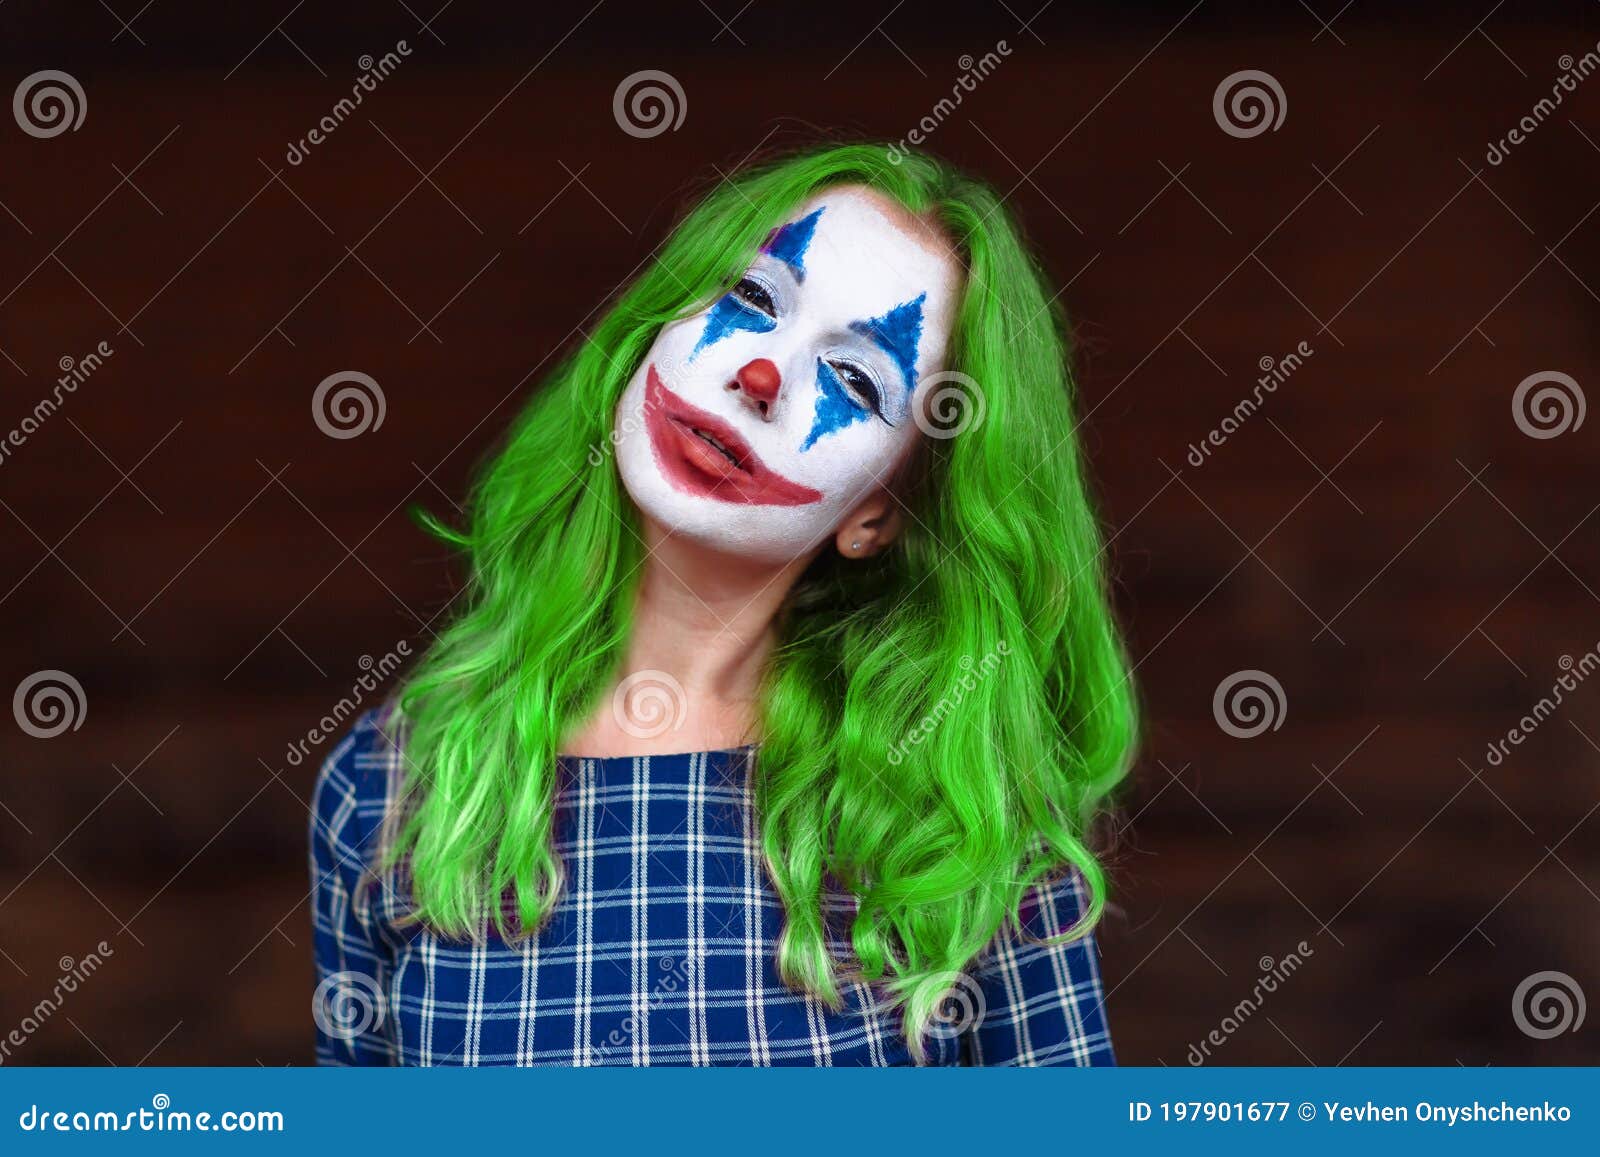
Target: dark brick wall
x=1381 y=538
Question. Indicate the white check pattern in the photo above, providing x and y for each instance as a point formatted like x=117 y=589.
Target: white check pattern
x=661 y=949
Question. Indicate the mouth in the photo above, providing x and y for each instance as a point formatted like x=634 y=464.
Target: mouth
x=701 y=454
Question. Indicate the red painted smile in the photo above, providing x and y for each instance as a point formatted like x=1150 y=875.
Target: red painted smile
x=701 y=454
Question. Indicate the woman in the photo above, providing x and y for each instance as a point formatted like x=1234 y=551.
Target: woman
x=785 y=692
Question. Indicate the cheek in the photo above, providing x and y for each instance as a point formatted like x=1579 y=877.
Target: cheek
x=851 y=462
x=673 y=351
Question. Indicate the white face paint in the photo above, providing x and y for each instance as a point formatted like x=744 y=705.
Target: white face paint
x=757 y=425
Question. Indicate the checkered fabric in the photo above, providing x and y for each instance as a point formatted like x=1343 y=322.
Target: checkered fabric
x=661 y=950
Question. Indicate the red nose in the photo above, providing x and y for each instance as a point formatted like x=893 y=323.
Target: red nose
x=760 y=382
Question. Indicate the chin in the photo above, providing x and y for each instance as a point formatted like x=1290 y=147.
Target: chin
x=765 y=534
x=753 y=534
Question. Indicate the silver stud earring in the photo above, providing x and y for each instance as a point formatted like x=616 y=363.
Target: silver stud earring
x=855 y=546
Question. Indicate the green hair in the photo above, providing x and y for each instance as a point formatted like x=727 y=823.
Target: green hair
x=940 y=726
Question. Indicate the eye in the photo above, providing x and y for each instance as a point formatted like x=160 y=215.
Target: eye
x=860 y=383
x=753 y=295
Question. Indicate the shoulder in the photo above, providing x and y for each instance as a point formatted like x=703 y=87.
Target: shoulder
x=1050 y=909
x=356 y=783
x=1054 y=905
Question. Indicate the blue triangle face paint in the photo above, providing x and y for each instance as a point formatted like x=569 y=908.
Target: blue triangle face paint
x=730 y=315
x=788 y=243
x=898 y=333
x=835 y=409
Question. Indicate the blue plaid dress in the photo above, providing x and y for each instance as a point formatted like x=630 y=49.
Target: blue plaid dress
x=661 y=950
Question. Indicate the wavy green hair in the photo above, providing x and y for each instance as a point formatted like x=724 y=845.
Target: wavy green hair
x=940 y=726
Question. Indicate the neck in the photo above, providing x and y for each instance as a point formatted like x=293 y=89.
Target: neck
x=703 y=626
x=706 y=617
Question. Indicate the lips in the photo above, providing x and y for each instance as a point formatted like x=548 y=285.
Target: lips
x=701 y=454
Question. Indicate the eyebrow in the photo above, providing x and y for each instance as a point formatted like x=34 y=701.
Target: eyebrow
x=898 y=333
x=788 y=243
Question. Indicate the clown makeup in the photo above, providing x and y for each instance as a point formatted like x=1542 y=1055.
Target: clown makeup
x=757 y=425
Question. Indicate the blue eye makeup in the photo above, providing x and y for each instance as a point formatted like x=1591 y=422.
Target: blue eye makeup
x=788 y=243
x=749 y=307
x=847 y=393
x=898 y=333
x=836 y=409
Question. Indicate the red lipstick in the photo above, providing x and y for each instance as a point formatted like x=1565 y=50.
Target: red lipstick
x=701 y=454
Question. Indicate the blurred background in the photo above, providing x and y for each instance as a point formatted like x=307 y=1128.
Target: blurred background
x=1342 y=595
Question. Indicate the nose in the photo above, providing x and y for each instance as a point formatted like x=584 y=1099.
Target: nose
x=760 y=382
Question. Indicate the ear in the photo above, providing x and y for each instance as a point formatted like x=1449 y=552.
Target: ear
x=871 y=527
